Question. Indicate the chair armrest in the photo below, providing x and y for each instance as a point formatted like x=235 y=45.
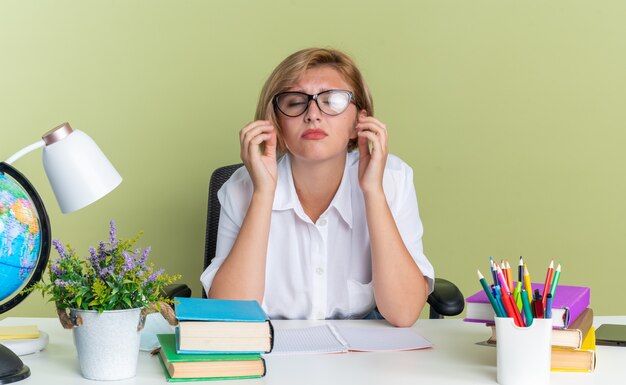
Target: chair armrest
x=176 y=290
x=445 y=300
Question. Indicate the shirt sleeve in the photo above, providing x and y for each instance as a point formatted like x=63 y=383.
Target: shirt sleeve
x=406 y=213
x=234 y=197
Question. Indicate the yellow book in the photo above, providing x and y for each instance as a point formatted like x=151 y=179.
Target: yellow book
x=18 y=332
x=576 y=360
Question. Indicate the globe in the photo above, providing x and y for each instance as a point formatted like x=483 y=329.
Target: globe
x=24 y=237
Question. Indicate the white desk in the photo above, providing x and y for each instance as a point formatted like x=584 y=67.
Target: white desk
x=454 y=359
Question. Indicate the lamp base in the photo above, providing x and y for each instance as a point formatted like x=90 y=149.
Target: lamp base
x=12 y=369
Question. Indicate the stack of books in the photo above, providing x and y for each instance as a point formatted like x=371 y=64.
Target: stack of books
x=573 y=335
x=216 y=339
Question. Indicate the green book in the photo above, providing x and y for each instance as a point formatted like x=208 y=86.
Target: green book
x=204 y=367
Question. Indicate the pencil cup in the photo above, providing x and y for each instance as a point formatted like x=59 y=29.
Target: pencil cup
x=523 y=352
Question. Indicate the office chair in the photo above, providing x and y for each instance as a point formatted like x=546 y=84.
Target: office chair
x=445 y=300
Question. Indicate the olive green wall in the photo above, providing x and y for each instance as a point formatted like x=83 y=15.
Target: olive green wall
x=511 y=114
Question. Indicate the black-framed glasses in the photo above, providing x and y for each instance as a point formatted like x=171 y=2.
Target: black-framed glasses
x=331 y=102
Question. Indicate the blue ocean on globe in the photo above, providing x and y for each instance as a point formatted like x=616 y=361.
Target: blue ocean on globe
x=20 y=237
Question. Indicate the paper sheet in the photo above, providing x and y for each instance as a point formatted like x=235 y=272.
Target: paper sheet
x=315 y=339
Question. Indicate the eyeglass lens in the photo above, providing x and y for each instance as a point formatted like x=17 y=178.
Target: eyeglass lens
x=332 y=102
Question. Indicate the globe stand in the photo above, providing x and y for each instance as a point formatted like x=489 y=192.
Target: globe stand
x=12 y=369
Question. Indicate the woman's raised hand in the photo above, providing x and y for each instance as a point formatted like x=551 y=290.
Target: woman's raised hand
x=258 y=153
x=371 y=132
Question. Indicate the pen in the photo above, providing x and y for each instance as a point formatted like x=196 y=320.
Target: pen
x=527 y=285
x=555 y=280
x=483 y=282
x=548 y=312
x=546 y=286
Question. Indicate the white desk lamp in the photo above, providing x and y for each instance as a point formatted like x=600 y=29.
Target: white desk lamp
x=79 y=174
x=78 y=171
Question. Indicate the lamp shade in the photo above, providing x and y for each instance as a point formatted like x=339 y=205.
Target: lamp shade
x=78 y=171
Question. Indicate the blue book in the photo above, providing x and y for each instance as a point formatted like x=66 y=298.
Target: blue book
x=202 y=309
x=209 y=326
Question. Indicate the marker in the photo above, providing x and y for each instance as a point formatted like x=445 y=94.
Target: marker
x=527 y=285
x=538 y=304
x=548 y=312
x=483 y=282
x=546 y=286
x=528 y=314
x=555 y=280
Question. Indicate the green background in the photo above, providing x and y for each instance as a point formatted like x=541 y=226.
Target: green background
x=511 y=114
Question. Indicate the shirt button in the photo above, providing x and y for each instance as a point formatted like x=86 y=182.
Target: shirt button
x=319 y=271
x=323 y=222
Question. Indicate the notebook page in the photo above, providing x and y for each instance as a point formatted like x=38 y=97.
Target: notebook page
x=316 y=339
x=382 y=338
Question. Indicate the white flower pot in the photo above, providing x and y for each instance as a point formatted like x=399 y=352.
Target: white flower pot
x=107 y=343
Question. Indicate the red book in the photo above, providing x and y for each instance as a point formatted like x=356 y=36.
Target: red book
x=569 y=302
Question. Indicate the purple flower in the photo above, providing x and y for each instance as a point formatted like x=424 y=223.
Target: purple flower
x=144 y=257
x=113 y=234
x=153 y=277
x=55 y=268
x=129 y=262
x=60 y=248
x=105 y=271
x=102 y=249
x=93 y=256
x=61 y=283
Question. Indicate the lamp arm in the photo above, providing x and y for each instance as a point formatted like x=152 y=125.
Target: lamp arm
x=25 y=151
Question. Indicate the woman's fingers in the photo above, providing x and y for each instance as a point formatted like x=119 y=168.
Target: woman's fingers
x=375 y=132
x=253 y=135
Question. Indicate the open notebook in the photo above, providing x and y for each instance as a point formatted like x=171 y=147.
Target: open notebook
x=340 y=339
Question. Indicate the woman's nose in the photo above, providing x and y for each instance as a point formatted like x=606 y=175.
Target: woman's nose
x=313 y=112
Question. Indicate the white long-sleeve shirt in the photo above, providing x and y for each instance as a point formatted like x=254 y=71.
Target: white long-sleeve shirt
x=320 y=270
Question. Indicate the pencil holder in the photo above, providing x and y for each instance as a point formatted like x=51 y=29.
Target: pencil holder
x=523 y=352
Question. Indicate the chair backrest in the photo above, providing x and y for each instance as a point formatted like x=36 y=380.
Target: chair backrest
x=219 y=176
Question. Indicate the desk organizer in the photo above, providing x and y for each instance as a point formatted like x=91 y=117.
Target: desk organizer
x=523 y=353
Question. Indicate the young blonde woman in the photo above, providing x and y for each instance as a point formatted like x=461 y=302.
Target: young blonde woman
x=310 y=228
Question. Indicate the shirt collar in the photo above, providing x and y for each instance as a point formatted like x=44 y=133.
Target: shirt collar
x=286 y=197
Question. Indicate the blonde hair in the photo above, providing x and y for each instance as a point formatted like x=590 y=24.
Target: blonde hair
x=290 y=70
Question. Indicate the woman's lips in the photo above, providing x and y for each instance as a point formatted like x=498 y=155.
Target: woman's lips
x=314 y=134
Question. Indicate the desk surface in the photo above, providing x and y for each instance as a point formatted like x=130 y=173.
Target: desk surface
x=454 y=359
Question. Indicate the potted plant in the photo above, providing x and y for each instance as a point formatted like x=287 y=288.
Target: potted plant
x=108 y=294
